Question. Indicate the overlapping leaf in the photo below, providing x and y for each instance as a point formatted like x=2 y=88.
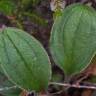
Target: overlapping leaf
x=24 y=60
x=73 y=38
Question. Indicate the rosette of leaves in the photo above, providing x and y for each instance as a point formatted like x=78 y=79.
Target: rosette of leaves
x=73 y=38
x=24 y=60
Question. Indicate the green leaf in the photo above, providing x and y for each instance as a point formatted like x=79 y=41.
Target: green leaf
x=7 y=7
x=73 y=38
x=24 y=60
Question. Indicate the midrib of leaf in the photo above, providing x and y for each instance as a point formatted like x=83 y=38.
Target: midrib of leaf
x=67 y=17
x=21 y=56
x=74 y=40
x=36 y=56
x=7 y=56
x=28 y=44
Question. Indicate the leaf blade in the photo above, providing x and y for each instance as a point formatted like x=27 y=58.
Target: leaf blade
x=22 y=53
x=71 y=36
